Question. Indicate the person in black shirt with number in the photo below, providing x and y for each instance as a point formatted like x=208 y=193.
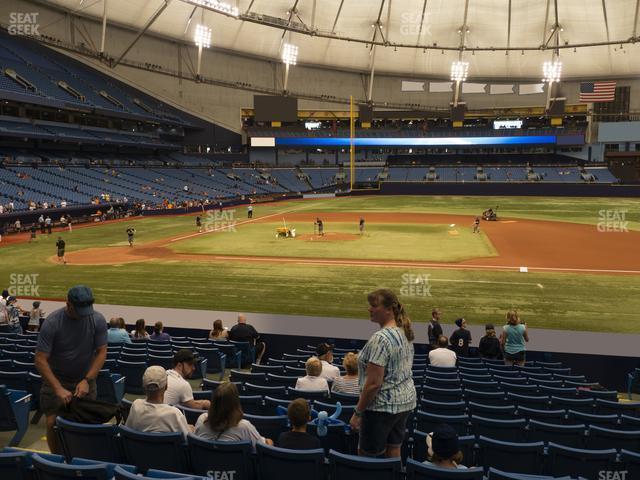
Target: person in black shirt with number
x=243 y=332
x=461 y=338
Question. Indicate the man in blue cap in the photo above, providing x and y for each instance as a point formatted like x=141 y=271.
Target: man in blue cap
x=71 y=350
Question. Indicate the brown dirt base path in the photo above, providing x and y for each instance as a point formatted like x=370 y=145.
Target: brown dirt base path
x=537 y=245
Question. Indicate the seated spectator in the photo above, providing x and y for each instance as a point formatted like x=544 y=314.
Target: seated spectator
x=325 y=355
x=313 y=382
x=35 y=315
x=140 y=333
x=218 y=332
x=179 y=391
x=116 y=334
x=224 y=420
x=244 y=332
x=151 y=414
x=299 y=414
x=158 y=335
x=443 y=449
x=441 y=356
x=489 y=346
x=348 y=383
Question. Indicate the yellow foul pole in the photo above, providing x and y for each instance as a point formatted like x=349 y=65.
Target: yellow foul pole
x=352 y=151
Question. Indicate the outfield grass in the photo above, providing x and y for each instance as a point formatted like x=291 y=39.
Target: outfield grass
x=565 y=301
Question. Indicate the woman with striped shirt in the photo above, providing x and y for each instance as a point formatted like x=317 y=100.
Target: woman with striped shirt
x=387 y=392
x=348 y=383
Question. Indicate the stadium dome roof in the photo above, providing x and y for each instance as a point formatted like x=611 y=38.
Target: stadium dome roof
x=416 y=38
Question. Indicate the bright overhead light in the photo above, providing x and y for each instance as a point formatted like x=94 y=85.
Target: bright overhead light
x=289 y=54
x=221 y=7
x=552 y=71
x=202 y=37
x=459 y=71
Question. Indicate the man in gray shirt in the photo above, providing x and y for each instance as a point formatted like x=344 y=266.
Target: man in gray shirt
x=71 y=350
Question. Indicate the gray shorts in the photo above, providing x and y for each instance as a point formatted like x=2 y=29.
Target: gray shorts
x=380 y=430
x=51 y=404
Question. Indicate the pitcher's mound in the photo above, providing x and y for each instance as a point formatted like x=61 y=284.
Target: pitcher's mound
x=328 y=237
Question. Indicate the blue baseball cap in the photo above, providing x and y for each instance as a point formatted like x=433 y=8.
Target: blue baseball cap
x=81 y=298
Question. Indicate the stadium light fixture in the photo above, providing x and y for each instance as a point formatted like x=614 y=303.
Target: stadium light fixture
x=202 y=37
x=221 y=7
x=289 y=54
x=459 y=71
x=552 y=71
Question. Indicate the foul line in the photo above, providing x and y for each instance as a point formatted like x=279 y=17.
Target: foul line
x=373 y=263
x=539 y=285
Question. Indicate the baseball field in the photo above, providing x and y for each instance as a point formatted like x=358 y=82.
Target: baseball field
x=565 y=263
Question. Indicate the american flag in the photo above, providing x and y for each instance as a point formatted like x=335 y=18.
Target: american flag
x=597 y=92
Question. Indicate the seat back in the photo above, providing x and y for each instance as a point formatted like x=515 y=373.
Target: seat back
x=278 y=463
x=50 y=470
x=268 y=426
x=575 y=461
x=350 y=467
x=163 y=451
x=567 y=435
x=133 y=372
x=505 y=430
x=511 y=456
x=427 y=422
x=98 y=442
x=208 y=457
x=421 y=471
x=14 y=466
x=600 y=438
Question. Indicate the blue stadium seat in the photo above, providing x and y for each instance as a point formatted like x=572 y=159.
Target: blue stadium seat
x=252 y=404
x=505 y=430
x=122 y=474
x=606 y=407
x=442 y=394
x=568 y=435
x=584 y=405
x=191 y=414
x=611 y=395
x=336 y=438
x=631 y=463
x=281 y=362
x=629 y=423
x=421 y=471
x=495 y=474
x=556 y=416
x=281 y=380
x=233 y=353
x=269 y=426
x=164 y=451
x=606 y=421
x=538 y=402
x=481 y=386
x=14 y=413
x=109 y=466
x=427 y=422
x=132 y=372
x=211 y=385
x=216 y=360
x=504 y=412
x=250 y=377
x=443 y=408
x=350 y=467
x=345 y=398
x=575 y=461
x=165 y=361
x=278 y=463
x=599 y=438
x=276 y=369
x=14 y=466
x=437 y=382
x=308 y=395
x=50 y=470
x=98 y=442
x=497 y=399
x=511 y=456
x=272 y=391
x=247 y=350
x=110 y=386
x=209 y=456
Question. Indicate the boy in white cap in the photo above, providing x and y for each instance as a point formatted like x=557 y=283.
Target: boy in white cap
x=152 y=414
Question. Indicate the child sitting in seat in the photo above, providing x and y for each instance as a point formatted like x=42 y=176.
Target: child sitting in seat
x=298 y=438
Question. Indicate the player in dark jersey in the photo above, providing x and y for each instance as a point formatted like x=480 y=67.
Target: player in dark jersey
x=476 y=225
x=60 y=246
x=361 y=226
x=199 y=224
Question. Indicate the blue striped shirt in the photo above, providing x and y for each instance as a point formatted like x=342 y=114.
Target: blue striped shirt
x=389 y=348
